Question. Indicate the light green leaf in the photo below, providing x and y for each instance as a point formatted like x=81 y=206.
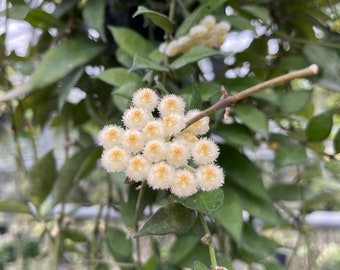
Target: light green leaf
x=200 y=266
x=195 y=99
x=119 y=76
x=253 y=118
x=157 y=18
x=240 y=22
x=230 y=215
x=320 y=126
x=205 y=202
x=193 y=55
x=41 y=19
x=118 y=242
x=173 y=218
x=333 y=166
x=62 y=59
x=258 y=12
x=16 y=12
x=42 y=176
x=236 y=134
x=289 y=155
x=336 y=142
x=131 y=42
x=96 y=22
x=294 y=101
x=74 y=235
x=122 y=96
x=14 y=206
x=144 y=63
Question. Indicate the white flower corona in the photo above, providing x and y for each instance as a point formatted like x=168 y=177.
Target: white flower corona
x=161 y=175
x=154 y=130
x=177 y=154
x=110 y=136
x=204 y=151
x=137 y=168
x=209 y=177
x=201 y=126
x=173 y=124
x=184 y=184
x=133 y=141
x=171 y=104
x=115 y=159
x=145 y=98
x=136 y=118
x=154 y=150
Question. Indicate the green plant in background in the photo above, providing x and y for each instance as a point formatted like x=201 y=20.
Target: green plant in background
x=102 y=52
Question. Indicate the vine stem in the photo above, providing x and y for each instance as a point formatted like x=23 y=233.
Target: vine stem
x=228 y=101
x=209 y=242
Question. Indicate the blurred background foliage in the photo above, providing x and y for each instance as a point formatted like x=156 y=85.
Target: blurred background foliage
x=70 y=67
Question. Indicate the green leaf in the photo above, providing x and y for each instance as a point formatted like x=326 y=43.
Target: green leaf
x=183 y=246
x=140 y=62
x=230 y=215
x=289 y=192
x=14 y=206
x=119 y=76
x=253 y=118
x=336 y=142
x=16 y=12
x=193 y=55
x=173 y=218
x=240 y=22
x=62 y=59
x=289 y=155
x=122 y=96
x=320 y=126
x=131 y=42
x=118 y=242
x=74 y=169
x=236 y=134
x=74 y=235
x=258 y=12
x=294 y=101
x=96 y=22
x=195 y=99
x=41 y=19
x=333 y=166
x=157 y=18
x=272 y=265
x=205 y=202
x=42 y=176
x=200 y=266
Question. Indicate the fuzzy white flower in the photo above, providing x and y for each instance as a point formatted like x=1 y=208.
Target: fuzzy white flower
x=198 y=32
x=208 y=21
x=133 y=140
x=137 y=168
x=172 y=48
x=161 y=175
x=170 y=104
x=145 y=98
x=177 y=154
x=221 y=29
x=185 y=43
x=201 y=126
x=154 y=150
x=110 y=136
x=187 y=137
x=184 y=184
x=115 y=159
x=154 y=130
x=173 y=124
x=209 y=177
x=162 y=47
x=136 y=118
x=204 y=151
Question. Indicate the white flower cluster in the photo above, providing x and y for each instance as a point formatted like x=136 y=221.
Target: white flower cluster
x=207 y=33
x=158 y=150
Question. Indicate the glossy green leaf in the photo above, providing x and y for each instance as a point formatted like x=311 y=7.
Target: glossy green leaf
x=41 y=19
x=236 y=134
x=268 y=95
x=293 y=62
x=62 y=59
x=173 y=218
x=119 y=76
x=122 y=96
x=294 y=101
x=140 y=62
x=320 y=126
x=200 y=266
x=131 y=42
x=289 y=192
x=206 y=202
x=336 y=142
x=289 y=155
x=240 y=22
x=96 y=22
x=63 y=7
x=42 y=176
x=75 y=235
x=118 y=242
x=230 y=215
x=157 y=18
x=193 y=55
x=74 y=169
x=258 y=12
x=184 y=244
x=253 y=118
x=16 y=12
x=14 y=206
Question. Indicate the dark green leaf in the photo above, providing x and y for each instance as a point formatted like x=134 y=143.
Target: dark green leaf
x=240 y=23
x=41 y=19
x=289 y=155
x=42 y=176
x=236 y=134
x=63 y=7
x=200 y=266
x=122 y=96
x=96 y=22
x=253 y=118
x=320 y=126
x=230 y=215
x=205 y=202
x=336 y=142
x=193 y=55
x=196 y=99
x=62 y=59
x=131 y=42
x=14 y=206
x=74 y=169
x=289 y=192
x=173 y=218
x=75 y=236
x=268 y=95
x=294 y=101
x=144 y=63
x=119 y=76
x=157 y=18
x=183 y=246
x=289 y=63
x=118 y=242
